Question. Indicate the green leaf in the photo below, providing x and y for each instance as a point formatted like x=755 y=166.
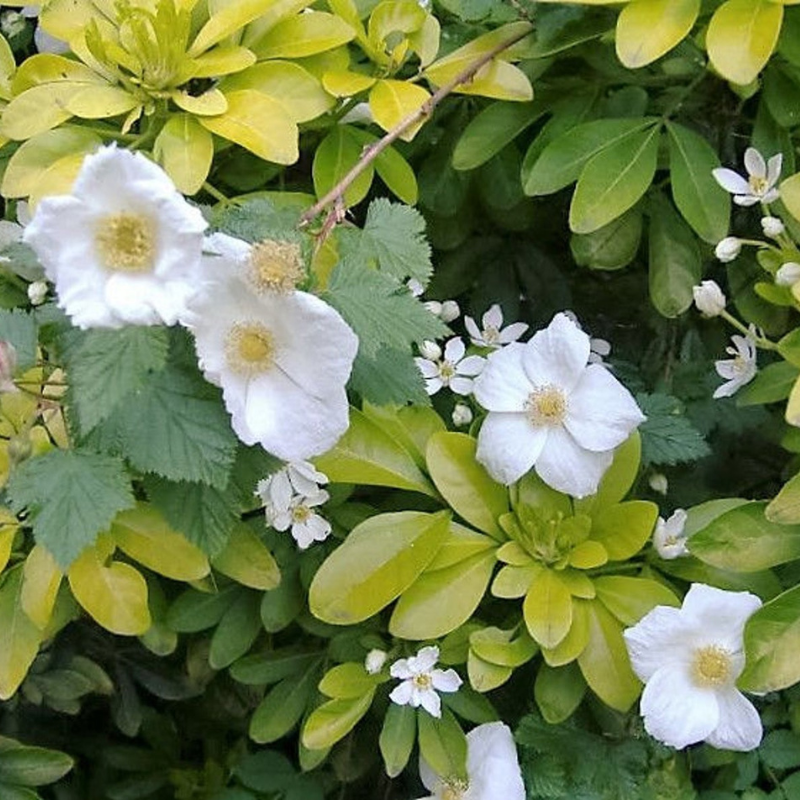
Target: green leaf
x=624 y=528
x=704 y=204
x=629 y=598
x=19 y=328
x=506 y=648
x=611 y=247
x=780 y=749
x=71 y=497
x=247 y=560
x=668 y=437
x=32 y=766
x=377 y=562
x=648 y=29
x=195 y=611
x=333 y=720
x=548 y=608
x=19 y=637
x=335 y=156
x=107 y=366
x=772 y=384
x=442 y=743
x=266 y=771
x=397 y=738
x=347 y=681
x=237 y=630
x=558 y=692
x=614 y=180
x=284 y=705
x=185 y=149
x=390 y=377
x=272 y=666
x=300 y=35
x=784 y=508
x=743 y=540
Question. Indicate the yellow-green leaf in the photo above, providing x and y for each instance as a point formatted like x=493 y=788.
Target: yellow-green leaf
x=19 y=637
x=57 y=178
x=548 y=609
x=333 y=720
x=247 y=560
x=222 y=61
x=514 y=581
x=588 y=555
x=646 y=29
x=574 y=643
x=503 y=647
x=344 y=83
x=629 y=598
x=336 y=155
x=624 y=528
x=785 y=506
x=741 y=37
x=279 y=9
x=558 y=692
x=790 y=194
x=100 y=102
x=9 y=525
x=228 y=20
x=45 y=68
x=304 y=35
x=38 y=109
x=498 y=79
x=347 y=681
x=461 y=543
x=485 y=676
x=208 y=104
x=41 y=579
x=185 y=149
x=392 y=101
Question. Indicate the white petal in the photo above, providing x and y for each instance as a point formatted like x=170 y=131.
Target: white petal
x=493 y=318
x=601 y=412
x=512 y=332
x=430 y=701
x=503 y=384
x=280 y=490
x=445 y=680
x=428 y=368
x=568 y=467
x=471 y=365
x=731 y=181
x=425 y=659
x=774 y=170
x=722 y=613
x=231 y=248
x=754 y=163
x=746 y=199
x=302 y=535
x=401 y=669
x=739 y=725
x=508 y=445
x=462 y=386
x=402 y=693
x=432 y=385
x=473 y=330
x=727 y=389
x=556 y=355
x=676 y=712
x=318 y=528
x=657 y=640
x=454 y=350
x=492 y=763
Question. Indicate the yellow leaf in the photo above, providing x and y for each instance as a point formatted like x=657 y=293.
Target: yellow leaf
x=38 y=109
x=548 y=609
x=49 y=68
x=344 y=83
x=258 y=123
x=248 y=561
x=226 y=21
x=9 y=525
x=114 y=595
x=277 y=11
x=185 y=149
x=304 y=35
x=392 y=101
x=66 y=18
x=425 y=41
x=40 y=582
x=465 y=55
x=7 y=68
x=646 y=29
x=790 y=194
x=497 y=79
x=19 y=637
x=100 y=102
x=222 y=61
x=741 y=37
x=57 y=178
x=208 y=104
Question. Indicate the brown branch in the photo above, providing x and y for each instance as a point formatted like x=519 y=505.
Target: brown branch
x=425 y=110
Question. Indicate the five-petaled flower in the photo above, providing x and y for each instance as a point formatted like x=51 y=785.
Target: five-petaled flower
x=759 y=186
x=740 y=369
x=552 y=410
x=453 y=369
x=421 y=682
x=689 y=659
x=493 y=335
x=669 y=538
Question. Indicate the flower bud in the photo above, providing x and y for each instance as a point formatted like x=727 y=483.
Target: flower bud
x=709 y=299
x=434 y=306
x=450 y=311
x=772 y=227
x=415 y=287
x=374 y=661
x=728 y=249
x=462 y=415
x=788 y=274
x=37 y=291
x=658 y=483
x=8 y=366
x=430 y=350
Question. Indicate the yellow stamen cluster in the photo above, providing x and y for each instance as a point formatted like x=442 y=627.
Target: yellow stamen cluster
x=301 y=513
x=454 y=789
x=711 y=666
x=126 y=242
x=546 y=406
x=275 y=267
x=249 y=348
x=423 y=681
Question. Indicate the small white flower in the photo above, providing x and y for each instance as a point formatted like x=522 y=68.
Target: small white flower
x=450 y=311
x=434 y=306
x=375 y=660
x=462 y=415
x=689 y=659
x=658 y=483
x=299 y=477
x=788 y=274
x=759 y=186
x=430 y=350
x=493 y=771
x=452 y=370
x=772 y=227
x=739 y=370
x=552 y=410
x=37 y=292
x=124 y=247
x=669 y=538
x=360 y=113
x=599 y=349
x=728 y=249
x=493 y=334
x=306 y=525
x=709 y=299
x=421 y=682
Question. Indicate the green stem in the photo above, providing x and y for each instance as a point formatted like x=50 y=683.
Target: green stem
x=760 y=341
x=216 y=193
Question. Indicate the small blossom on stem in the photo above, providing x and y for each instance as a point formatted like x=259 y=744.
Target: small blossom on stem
x=421 y=682
x=37 y=292
x=739 y=370
x=788 y=274
x=772 y=227
x=709 y=298
x=493 y=334
x=453 y=369
x=658 y=483
x=462 y=415
x=669 y=538
x=375 y=660
x=759 y=186
x=728 y=249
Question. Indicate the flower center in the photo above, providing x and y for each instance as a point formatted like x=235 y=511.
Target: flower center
x=275 y=267
x=301 y=513
x=423 y=681
x=491 y=335
x=454 y=789
x=546 y=405
x=249 y=348
x=447 y=371
x=711 y=666
x=125 y=242
x=758 y=185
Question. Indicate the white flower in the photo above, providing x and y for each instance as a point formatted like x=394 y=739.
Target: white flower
x=669 y=538
x=420 y=681
x=658 y=483
x=759 y=186
x=415 y=287
x=462 y=415
x=452 y=370
x=430 y=350
x=772 y=227
x=299 y=477
x=709 y=299
x=493 y=771
x=550 y=409
x=375 y=660
x=306 y=525
x=124 y=247
x=739 y=370
x=598 y=348
x=493 y=334
x=282 y=360
x=689 y=658
x=728 y=249
x=37 y=292
x=788 y=274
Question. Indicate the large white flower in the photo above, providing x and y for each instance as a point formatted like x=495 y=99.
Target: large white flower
x=493 y=771
x=759 y=186
x=550 y=409
x=421 y=682
x=281 y=358
x=740 y=369
x=689 y=658
x=124 y=247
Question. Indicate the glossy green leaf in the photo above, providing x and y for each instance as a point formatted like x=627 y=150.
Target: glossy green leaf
x=398 y=734
x=347 y=681
x=484 y=675
x=624 y=528
x=185 y=149
x=237 y=630
x=247 y=560
x=304 y=35
x=574 y=643
x=506 y=648
x=558 y=692
x=31 y=766
x=629 y=598
x=281 y=709
x=784 y=508
x=335 y=156
x=442 y=743
x=611 y=247
x=411 y=426
x=333 y=720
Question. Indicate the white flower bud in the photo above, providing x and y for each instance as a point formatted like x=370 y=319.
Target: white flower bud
x=415 y=287
x=658 y=483
x=434 y=306
x=462 y=415
x=430 y=350
x=788 y=274
x=728 y=249
x=374 y=661
x=772 y=227
x=450 y=311
x=709 y=299
x=37 y=291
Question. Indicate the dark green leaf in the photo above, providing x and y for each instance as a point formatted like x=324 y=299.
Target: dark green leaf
x=668 y=437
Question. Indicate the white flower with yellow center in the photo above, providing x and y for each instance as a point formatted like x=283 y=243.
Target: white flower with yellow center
x=552 y=410
x=299 y=515
x=421 y=682
x=759 y=185
x=451 y=369
x=493 y=334
x=740 y=369
x=689 y=659
x=493 y=771
x=669 y=538
x=124 y=247
x=281 y=359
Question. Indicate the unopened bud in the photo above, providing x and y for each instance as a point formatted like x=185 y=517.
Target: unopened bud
x=658 y=483
x=37 y=291
x=788 y=274
x=772 y=227
x=374 y=661
x=8 y=366
x=728 y=249
x=415 y=287
x=450 y=311
x=430 y=350
x=462 y=415
x=709 y=299
x=434 y=306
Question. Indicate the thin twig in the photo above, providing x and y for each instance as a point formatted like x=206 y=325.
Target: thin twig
x=425 y=110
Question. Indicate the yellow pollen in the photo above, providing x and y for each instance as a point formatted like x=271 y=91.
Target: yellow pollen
x=446 y=371
x=423 y=681
x=758 y=185
x=711 y=666
x=301 y=513
x=491 y=335
x=249 y=348
x=125 y=242
x=454 y=789
x=275 y=267
x=546 y=406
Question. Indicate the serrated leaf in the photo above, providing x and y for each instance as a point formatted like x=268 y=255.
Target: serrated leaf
x=389 y=378
x=668 y=437
x=19 y=328
x=71 y=497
